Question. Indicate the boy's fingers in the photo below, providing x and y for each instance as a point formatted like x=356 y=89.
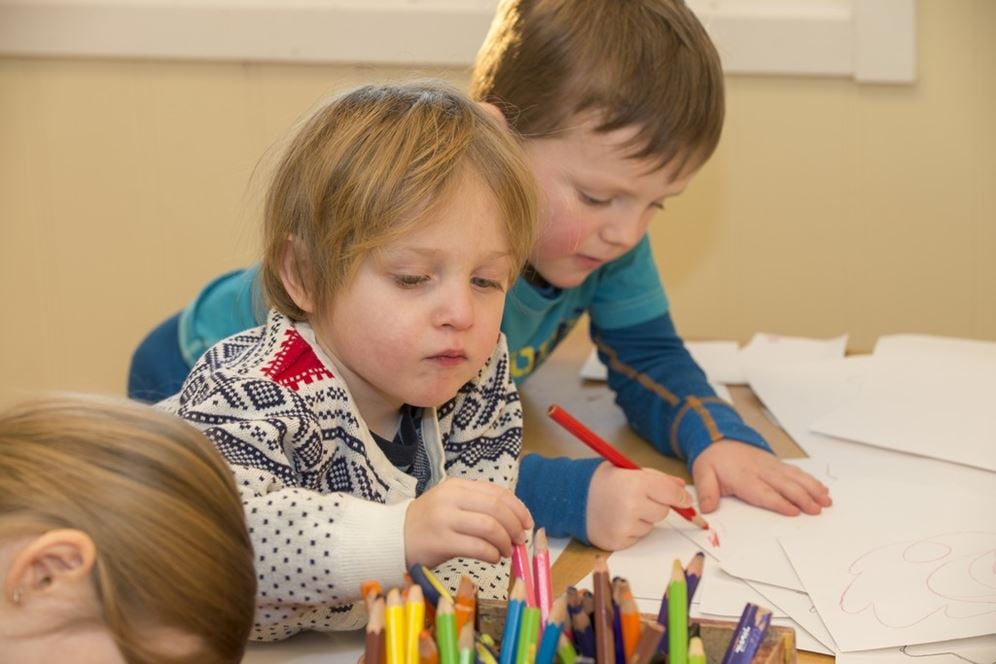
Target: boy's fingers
x=466 y=546
x=495 y=509
x=707 y=487
x=767 y=497
x=798 y=495
x=668 y=493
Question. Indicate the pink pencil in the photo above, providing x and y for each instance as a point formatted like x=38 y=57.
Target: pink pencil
x=522 y=570
x=541 y=573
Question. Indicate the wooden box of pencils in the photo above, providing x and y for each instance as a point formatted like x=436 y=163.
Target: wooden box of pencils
x=778 y=646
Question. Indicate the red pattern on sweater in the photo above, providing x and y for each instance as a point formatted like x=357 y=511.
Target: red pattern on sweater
x=295 y=363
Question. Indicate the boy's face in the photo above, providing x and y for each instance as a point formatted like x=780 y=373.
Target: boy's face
x=597 y=202
x=422 y=314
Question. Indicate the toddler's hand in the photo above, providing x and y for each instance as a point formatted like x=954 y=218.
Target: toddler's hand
x=732 y=468
x=623 y=505
x=464 y=518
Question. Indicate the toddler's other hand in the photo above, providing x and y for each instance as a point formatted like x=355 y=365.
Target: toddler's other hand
x=464 y=518
x=732 y=468
x=623 y=505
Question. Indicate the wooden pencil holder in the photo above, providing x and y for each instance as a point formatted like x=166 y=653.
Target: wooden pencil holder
x=778 y=646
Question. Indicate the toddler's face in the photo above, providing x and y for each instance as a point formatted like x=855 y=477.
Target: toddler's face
x=597 y=202
x=422 y=315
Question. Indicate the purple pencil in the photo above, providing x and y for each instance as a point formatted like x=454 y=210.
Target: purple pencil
x=747 y=638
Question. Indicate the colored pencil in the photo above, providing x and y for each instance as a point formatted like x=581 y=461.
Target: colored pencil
x=465 y=644
x=584 y=634
x=513 y=616
x=428 y=653
x=446 y=636
x=693 y=574
x=521 y=569
x=646 y=647
x=432 y=588
x=394 y=628
x=605 y=649
x=465 y=606
x=529 y=625
x=541 y=575
x=677 y=609
x=611 y=454
x=414 y=622
x=565 y=651
x=747 y=638
x=374 y=650
x=550 y=640
x=696 y=652
x=629 y=618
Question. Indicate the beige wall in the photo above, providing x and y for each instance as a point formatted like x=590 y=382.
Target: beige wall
x=830 y=206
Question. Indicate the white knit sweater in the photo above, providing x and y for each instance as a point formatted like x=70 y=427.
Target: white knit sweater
x=324 y=506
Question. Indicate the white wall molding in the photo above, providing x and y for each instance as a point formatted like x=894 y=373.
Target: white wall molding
x=871 y=40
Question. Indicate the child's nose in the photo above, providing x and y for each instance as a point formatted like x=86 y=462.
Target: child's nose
x=624 y=231
x=455 y=308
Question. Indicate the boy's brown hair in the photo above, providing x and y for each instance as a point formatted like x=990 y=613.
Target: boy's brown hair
x=647 y=64
x=161 y=507
x=372 y=164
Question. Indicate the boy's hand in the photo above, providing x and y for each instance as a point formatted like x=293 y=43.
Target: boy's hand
x=464 y=518
x=623 y=505
x=732 y=468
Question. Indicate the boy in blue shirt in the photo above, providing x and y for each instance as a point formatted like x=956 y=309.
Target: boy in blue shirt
x=619 y=105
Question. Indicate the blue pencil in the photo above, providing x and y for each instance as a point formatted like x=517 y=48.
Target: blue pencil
x=510 y=637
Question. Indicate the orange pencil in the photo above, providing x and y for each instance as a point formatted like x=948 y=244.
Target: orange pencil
x=611 y=454
x=466 y=602
x=629 y=616
x=427 y=651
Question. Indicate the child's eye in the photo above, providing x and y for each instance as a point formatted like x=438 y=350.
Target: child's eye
x=489 y=284
x=593 y=201
x=659 y=206
x=410 y=280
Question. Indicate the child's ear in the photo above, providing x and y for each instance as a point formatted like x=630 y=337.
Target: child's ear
x=50 y=563
x=292 y=270
x=494 y=112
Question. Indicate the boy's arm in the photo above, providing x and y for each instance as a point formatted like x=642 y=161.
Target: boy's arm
x=664 y=393
x=668 y=401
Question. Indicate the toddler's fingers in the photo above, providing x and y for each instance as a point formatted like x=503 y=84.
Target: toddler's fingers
x=798 y=494
x=502 y=508
x=508 y=498
x=484 y=527
x=669 y=493
x=467 y=546
x=817 y=490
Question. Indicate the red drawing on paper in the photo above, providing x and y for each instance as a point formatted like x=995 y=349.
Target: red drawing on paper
x=949 y=575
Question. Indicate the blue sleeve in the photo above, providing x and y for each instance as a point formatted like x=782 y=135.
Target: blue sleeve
x=664 y=393
x=230 y=304
x=556 y=493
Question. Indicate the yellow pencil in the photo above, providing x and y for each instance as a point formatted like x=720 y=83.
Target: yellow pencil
x=394 y=628
x=414 y=622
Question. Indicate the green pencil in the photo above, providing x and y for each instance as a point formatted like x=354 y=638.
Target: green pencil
x=677 y=616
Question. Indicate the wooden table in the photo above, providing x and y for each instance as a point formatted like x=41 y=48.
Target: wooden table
x=593 y=403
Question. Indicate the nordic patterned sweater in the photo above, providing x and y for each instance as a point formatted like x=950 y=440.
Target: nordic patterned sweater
x=324 y=506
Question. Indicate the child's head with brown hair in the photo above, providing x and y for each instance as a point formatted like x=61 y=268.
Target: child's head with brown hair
x=620 y=102
x=122 y=538
x=397 y=219
x=646 y=64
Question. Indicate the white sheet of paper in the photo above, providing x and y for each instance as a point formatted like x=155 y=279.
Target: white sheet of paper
x=765 y=349
x=977 y=650
x=748 y=538
x=926 y=396
x=720 y=360
x=895 y=565
x=799 y=607
x=721 y=594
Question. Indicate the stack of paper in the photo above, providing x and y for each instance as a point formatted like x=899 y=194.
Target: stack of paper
x=902 y=568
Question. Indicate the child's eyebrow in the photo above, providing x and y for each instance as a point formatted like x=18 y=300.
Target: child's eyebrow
x=433 y=252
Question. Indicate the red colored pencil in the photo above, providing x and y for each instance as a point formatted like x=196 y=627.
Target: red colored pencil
x=611 y=454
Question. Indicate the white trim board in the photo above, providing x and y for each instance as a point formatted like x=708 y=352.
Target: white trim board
x=872 y=41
